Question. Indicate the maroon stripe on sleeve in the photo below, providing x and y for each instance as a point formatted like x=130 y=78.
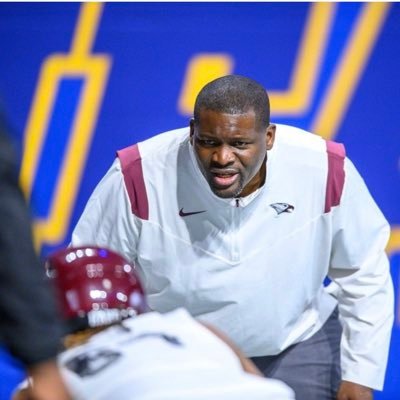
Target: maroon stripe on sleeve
x=335 y=180
x=132 y=170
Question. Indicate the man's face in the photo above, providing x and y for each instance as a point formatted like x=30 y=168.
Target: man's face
x=231 y=151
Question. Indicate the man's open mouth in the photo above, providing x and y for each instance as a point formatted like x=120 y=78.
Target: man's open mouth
x=224 y=179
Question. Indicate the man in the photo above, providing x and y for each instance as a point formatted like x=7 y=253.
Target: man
x=240 y=221
x=117 y=351
x=29 y=326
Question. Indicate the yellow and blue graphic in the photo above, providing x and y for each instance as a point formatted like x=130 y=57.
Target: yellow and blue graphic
x=60 y=127
x=80 y=81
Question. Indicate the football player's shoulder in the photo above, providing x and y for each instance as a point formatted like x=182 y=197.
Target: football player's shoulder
x=178 y=314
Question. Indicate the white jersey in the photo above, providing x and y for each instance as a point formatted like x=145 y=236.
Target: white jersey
x=156 y=356
x=254 y=267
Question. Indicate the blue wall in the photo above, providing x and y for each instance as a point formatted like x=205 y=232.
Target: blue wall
x=81 y=81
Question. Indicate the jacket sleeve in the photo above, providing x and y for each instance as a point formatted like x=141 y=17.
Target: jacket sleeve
x=361 y=282
x=29 y=325
x=107 y=219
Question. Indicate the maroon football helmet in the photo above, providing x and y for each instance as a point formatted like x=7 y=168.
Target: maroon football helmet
x=95 y=286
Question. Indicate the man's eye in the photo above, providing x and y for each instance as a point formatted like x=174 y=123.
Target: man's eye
x=207 y=142
x=240 y=144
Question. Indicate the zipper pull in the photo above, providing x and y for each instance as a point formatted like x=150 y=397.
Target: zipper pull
x=237 y=202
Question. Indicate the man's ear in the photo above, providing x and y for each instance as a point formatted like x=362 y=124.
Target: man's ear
x=191 y=125
x=270 y=136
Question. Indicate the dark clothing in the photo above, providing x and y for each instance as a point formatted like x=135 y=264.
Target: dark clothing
x=311 y=368
x=29 y=327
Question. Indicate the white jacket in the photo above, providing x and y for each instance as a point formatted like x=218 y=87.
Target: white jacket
x=254 y=267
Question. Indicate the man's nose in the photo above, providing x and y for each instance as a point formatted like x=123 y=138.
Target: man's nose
x=223 y=155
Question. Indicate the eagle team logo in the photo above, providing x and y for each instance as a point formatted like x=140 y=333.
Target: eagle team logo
x=282 y=207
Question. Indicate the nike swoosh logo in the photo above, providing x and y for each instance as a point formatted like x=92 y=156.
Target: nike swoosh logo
x=186 y=214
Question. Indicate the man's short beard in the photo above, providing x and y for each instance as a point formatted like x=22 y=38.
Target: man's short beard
x=220 y=193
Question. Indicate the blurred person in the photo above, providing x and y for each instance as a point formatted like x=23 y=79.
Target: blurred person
x=117 y=349
x=240 y=221
x=30 y=328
